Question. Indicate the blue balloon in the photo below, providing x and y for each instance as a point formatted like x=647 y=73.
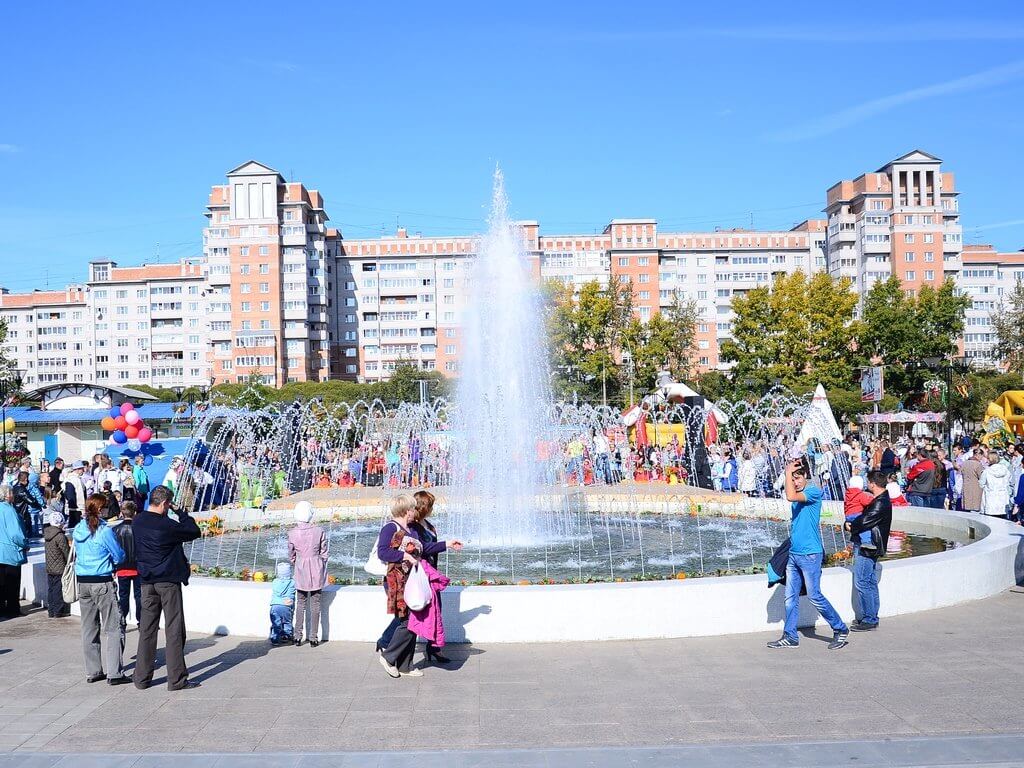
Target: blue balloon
x=147 y=461
x=115 y=411
x=119 y=437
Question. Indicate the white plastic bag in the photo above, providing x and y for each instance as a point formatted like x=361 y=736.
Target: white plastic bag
x=417 y=589
x=374 y=565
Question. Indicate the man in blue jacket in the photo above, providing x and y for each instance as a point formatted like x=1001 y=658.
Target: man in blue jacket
x=163 y=570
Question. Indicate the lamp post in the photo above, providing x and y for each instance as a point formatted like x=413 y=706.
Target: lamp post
x=10 y=383
x=946 y=365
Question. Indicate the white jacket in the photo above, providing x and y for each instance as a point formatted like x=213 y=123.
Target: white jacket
x=995 y=486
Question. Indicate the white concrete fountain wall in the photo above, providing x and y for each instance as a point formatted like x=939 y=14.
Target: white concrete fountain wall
x=635 y=610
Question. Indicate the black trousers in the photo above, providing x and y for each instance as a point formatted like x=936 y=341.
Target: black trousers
x=402 y=647
x=126 y=586
x=156 y=599
x=10 y=591
x=55 y=605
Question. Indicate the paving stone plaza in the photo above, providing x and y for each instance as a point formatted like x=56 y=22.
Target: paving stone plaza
x=936 y=688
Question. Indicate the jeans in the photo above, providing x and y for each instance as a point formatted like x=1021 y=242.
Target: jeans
x=806 y=570
x=280 y=623
x=98 y=603
x=865 y=582
x=604 y=468
x=919 y=499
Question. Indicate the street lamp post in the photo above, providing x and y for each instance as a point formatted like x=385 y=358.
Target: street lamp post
x=10 y=383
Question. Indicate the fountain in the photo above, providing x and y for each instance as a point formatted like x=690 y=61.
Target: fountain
x=516 y=474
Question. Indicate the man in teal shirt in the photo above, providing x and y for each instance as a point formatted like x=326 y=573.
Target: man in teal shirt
x=806 y=554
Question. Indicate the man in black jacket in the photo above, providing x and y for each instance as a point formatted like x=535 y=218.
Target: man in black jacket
x=876 y=518
x=163 y=571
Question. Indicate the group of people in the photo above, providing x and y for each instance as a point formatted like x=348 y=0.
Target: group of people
x=408 y=541
x=108 y=540
x=798 y=562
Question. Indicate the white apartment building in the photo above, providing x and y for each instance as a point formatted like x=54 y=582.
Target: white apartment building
x=138 y=325
x=988 y=278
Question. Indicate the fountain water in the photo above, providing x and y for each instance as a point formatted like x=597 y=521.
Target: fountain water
x=503 y=393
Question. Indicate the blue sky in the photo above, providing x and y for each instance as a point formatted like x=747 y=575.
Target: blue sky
x=116 y=120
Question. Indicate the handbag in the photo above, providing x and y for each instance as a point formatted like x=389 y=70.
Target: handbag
x=374 y=565
x=69 y=580
x=417 y=589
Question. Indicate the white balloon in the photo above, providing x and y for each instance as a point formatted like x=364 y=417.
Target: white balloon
x=134 y=444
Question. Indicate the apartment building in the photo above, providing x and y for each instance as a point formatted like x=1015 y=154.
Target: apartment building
x=988 y=278
x=270 y=280
x=400 y=297
x=901 y=220
x=139 y=325
x=279 y=295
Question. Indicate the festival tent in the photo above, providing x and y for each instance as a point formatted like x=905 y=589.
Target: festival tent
x=820 y=422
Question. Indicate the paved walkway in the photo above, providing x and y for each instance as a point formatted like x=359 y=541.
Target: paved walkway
x=957 y=671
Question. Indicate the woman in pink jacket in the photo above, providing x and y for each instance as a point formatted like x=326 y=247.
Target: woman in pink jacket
x=307 y=551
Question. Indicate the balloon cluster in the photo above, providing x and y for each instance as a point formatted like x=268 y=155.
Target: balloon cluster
x=126 y=426
x=8 y=425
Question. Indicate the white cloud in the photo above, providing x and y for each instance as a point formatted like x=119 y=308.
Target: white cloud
x=999 y=225
x=860 y=112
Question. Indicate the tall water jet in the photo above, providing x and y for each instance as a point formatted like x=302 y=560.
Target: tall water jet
x=503 y=390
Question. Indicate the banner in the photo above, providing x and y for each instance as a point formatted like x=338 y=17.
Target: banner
x=871 y=388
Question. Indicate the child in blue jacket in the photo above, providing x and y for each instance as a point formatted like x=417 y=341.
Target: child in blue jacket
x=282 y=598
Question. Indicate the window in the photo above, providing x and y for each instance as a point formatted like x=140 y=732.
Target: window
x=449 y=349
x=244 y=269
x=264 y=269
x=702 y=295
x=264 y=287
x=350 y=368
x=878 y=205
x=245 y=250
x=929 y=256
x=350 y=302
x=264 y=306
x=350 y=318
x=121 y=294
x=644 y=278
x=645 y=295
x=643 y=261
x=245 y=288
x=246 y=306
x=929 y=274
x=264 y=250
x=910 y=275
x=929 y=237
x=264 y=326
x=449 y=333
x=624 y=261
x=908 y=237
x=645 y=313
x=908 y=256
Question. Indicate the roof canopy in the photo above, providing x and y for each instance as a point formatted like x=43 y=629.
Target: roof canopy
x=76 y=395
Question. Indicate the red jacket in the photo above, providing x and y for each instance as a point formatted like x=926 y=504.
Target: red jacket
x=855 y=501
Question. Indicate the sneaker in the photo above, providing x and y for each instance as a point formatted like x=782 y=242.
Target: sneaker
x=392 y=671
x=860 y=626
x=784 y=642
x=839 y=640
x=414 y=672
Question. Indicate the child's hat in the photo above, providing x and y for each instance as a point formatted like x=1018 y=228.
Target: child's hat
x=894 y=490
x=857 y=482
x=284 y=570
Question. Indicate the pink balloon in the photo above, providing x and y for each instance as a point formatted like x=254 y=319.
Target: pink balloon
x=125 y=407
x=132 y=417
x=145 y=435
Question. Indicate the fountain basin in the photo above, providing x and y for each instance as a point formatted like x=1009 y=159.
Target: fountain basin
x=636 y=610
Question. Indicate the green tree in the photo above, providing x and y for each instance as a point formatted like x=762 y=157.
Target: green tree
x=585 y=330
x=901 y=329
x=797 y=332
x=1009 y=324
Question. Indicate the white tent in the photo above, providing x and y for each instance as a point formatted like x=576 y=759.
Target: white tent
x=820 y=421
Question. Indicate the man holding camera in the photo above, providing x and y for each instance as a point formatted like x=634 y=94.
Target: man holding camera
x=163 y=570
x=806 y=555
